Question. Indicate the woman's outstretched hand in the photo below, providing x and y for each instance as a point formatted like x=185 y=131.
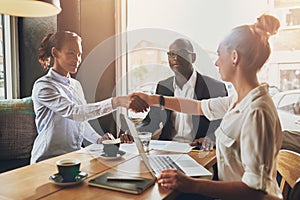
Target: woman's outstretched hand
x=139 y=102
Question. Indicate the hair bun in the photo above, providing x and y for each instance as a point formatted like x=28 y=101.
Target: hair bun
x=268 y=23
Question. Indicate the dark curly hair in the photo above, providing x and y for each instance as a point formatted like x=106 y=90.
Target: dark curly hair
x=56 y=40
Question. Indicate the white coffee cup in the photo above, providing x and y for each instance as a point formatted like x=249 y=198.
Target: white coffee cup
x=111 y=147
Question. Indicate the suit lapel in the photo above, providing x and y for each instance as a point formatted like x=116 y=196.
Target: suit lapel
x=201 y=90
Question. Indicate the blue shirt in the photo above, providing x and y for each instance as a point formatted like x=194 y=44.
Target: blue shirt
x=62 y=115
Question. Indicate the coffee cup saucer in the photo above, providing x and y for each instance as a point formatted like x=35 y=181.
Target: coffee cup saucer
x=106 y=157
x=58 y=180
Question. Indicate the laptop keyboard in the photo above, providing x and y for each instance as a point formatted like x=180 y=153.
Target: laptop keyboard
x=158 y=163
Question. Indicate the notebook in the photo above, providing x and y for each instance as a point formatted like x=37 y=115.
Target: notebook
x=121 y=182
x=183 y=162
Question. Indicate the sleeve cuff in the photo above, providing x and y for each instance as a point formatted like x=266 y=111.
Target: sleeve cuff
x=261 y=182
x=105 y=107
x=255 y=181
x=205 y=109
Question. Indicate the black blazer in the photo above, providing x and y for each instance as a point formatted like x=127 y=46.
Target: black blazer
x=205 y=88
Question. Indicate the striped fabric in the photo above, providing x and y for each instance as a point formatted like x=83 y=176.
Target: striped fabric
x=17 y=106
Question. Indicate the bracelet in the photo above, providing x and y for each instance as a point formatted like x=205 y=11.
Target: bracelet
x=161 y=102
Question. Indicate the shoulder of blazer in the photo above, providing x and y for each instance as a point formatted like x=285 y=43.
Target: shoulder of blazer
x=216 y=88
x=212 y=80
x=207 y=87
x=165 y=87
x=201 y=90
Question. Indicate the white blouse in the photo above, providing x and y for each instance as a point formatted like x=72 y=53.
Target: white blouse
x=248 y=139
x=62 y=115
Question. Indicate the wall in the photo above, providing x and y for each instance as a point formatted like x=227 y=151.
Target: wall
x=69 y=17
x=30 y=33
x=94 y=21
x=97 y=25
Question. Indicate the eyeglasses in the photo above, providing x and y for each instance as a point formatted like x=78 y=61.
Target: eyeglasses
x=182 y=53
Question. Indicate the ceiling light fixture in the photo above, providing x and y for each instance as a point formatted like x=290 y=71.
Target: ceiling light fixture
x=30 y=8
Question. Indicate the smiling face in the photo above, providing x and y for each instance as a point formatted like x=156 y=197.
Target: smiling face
x=181 y=57
x=68 y=59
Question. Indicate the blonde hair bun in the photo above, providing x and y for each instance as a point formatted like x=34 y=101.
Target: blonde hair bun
x=268 y=23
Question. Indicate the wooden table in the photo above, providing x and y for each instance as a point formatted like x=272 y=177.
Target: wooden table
x=32 y=182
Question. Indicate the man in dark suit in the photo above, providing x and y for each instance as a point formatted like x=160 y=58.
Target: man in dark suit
x=187 y=83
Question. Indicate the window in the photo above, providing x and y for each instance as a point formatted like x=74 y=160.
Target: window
x=144 y=61
x=9 y=78
x=293 y=17
x=2 y=87
x=290 y=103
x=205 y=24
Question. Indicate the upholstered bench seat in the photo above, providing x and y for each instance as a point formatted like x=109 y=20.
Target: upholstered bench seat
x=17 y=132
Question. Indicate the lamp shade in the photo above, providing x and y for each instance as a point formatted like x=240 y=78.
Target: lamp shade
x=30 y=8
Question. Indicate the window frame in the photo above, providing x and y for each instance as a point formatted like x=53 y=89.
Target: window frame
x=10 y=57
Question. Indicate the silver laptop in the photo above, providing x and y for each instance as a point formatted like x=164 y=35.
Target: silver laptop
x=156 y=163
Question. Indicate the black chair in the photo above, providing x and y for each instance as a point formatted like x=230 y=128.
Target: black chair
x=295 y=191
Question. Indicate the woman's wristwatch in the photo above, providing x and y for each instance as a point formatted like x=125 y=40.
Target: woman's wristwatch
x=162 y=102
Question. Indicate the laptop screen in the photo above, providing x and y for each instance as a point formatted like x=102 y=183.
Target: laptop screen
x=184 y=162
x=138 y=142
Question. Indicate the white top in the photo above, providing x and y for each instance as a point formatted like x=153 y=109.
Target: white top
x=248 y=139
x=62 y=115
x=183 y=123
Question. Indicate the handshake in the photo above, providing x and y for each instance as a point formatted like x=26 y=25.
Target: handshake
x=136 y=102
x=140 y=102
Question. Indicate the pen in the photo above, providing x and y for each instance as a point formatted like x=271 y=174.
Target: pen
x=197 y=150
x=123 y=178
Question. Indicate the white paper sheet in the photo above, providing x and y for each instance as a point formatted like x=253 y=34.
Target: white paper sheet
x=170 y=146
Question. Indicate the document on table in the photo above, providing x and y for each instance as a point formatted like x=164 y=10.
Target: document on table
x=172 y=146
